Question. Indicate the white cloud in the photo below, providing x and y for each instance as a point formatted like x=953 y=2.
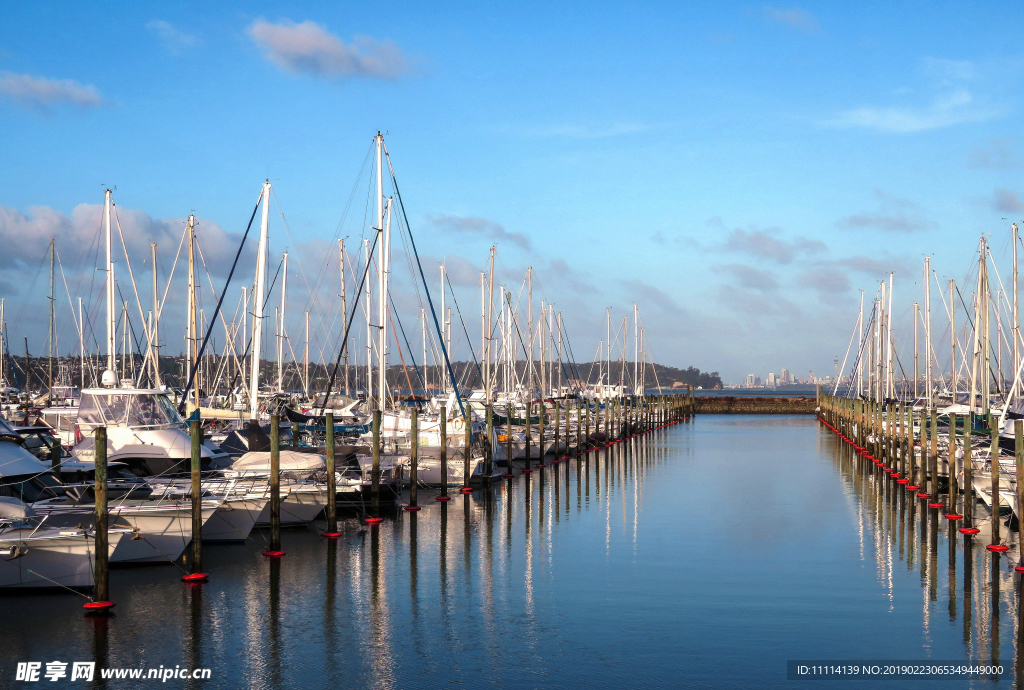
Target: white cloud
x=307 y=48
x=488 y=228
x=952 y=108
x=794 y=17
x=42 y=93
x=174 y=39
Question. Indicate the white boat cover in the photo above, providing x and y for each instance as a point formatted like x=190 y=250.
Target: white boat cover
x=291 y=461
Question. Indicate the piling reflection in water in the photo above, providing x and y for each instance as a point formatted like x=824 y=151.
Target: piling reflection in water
x=890 y=521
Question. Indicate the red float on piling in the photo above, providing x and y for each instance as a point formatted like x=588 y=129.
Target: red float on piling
x=412 y=508
x=911 y=487
x=969 y=530
x=539 y=464
x=98 y=605
x=556 y=461
x=466 y=489
x=273 y=554
x=195 y=577
x=924 y=496
x=1019 y=568
x=509 y=476
x=936 y=505
x=997 y=548
x=442 y=498
x=374 y=521
x=330 y=535
x=954 y=516
x=903 y=481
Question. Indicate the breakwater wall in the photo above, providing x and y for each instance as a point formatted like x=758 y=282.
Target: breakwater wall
x=754 y=405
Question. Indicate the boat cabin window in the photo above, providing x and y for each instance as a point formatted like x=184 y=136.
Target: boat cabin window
x=31 y=488
x=150 y=410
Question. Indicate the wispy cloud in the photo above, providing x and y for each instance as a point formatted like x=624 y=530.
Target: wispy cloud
x=44 y=94
x=642 y=293
x=951 y=103
x=894 y=214
x=825 y=280
x=1006 y=201
x=750 y=277
x=794 y=17
x=490 y=229
x=307 y=48
x=953 y=108
x=766 y=244
x=998 y=155
x=175 y=40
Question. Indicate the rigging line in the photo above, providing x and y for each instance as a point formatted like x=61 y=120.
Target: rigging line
x=572 y=359
x=74 y=316
x=348 y=327
x=991 y=371
x=415 y=368
x=430 y=301
x=400 y=355
x=515 y=323
x=224 y=292
x=469 y=341
x=128 y=320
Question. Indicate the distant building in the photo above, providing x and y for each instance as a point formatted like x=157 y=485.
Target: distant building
x=785 y=377
x=772 y=382
x=757 y=382
x=749 y=381
x=810 y=378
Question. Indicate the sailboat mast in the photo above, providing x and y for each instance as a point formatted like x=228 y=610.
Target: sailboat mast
x=952 y=343
x=490 y=320
x=111 y=316
x=81 y=341
x=382 y=309
x=280 y=334
x=529 y=330
x=305 y=359
x=52 y=329
x=369 y=332
x=156 y=322
x=1015 y=335
x=344 y=308
x=860 y=360
x=890 y=373
x=929 y=387
x=917 y=388
x=193 y=331
x=636 y=352
x=483 y=327
x=257 y=313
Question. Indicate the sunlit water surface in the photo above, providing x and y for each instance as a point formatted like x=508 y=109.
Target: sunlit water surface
x=703 y=555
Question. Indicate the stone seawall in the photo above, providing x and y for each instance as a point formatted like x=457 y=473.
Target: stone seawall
x=754 y=405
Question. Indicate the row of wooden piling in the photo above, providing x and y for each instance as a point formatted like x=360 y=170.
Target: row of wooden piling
x=884 y=434
x=626 y=417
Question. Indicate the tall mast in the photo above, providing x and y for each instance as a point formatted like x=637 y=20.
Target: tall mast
x=860 y=334
x=52 y=329
x=382 y=309
x=889 y=370
x=559 y=353
x=156 y=322
x=483 y=327
x=369 y=333
x=541 y=352
x=929 y=388
x=952 y=342
x=81 y=341
x=529 y=330
x=608 y=354
x=257 y=312
x=280 y=335
x=193 y=330
x=3 y=342
x=490 y=320
x=636 y=352
x=380 y=268
x=344 y=308
x=426 y=369
x=917 y=388
x=110 y=380
x=305 y=360
x=1015 y=335
x=444 y=317
x=986 y=350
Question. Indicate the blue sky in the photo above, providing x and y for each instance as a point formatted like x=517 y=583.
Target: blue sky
x=740 y=171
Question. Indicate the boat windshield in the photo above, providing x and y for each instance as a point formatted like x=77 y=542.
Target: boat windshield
x=150 y=410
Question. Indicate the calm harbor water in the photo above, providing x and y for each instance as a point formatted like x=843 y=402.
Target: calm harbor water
x=704 y=555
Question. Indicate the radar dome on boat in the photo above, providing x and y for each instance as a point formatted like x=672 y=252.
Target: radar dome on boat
x=109 y=379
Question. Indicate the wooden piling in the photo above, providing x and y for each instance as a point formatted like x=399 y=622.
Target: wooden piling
x=489 y=447
x=443 y=420
x=375 y=468
x=953 y=491
x=994 y=462
x=101 y=570
x=529 y=437
x=196 y=430
x=586 y=438
x=332 y=482
x=934 y=454
x=414 y=455
x=558 y=410
x=1018 y=453
x=275 y=483
x=540 y=433
x=509 y=474
x=466 y=472
x=968 y=475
